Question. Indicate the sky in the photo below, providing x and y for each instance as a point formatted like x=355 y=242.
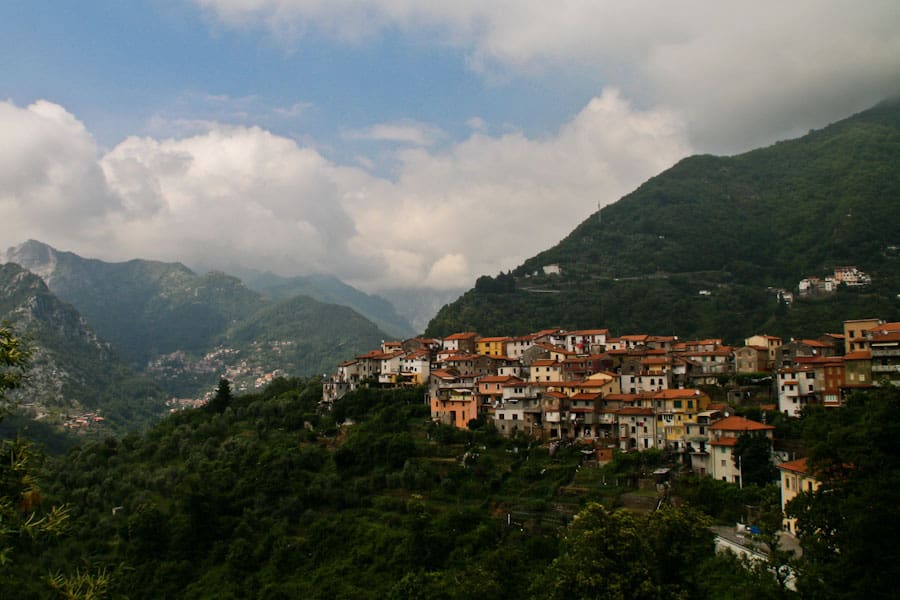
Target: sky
x=395 y=143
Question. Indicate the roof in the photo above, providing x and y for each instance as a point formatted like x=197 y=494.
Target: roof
x=547 y=362
x=740 y=424
x=796 y=466
x=589 y=332
x=885 y=336
x=858 y=355
x=635 y=410
x=587 y=396
x=885 y=327
x=493 y=339
x=466 y=335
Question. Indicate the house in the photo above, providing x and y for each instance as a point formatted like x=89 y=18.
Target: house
x=787 y=355
x=637 y=428
x=769 y=342
x=696 y=438
x=884 y=344
x=724 y=436
x=854 y=333
x=796 y=388
x=455 y=406
x=674 y=410
x=796 y=477
x=586 y=341
x=858 y=369
x=751 y=359
x=545 y=370
x=491 y=346
x=460 y=342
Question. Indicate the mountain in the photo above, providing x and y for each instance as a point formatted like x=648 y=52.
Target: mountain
x=731 y=227
x=331 y=290
x=73 y=372
x=143 y=308
x=187 y=330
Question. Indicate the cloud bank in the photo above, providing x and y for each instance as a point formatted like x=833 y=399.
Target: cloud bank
x=741 y=73
x=235 y=195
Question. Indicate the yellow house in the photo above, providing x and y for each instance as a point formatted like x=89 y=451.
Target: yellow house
x=545 y=370
x=795 y=478
x=491 y=346
x=675 y=409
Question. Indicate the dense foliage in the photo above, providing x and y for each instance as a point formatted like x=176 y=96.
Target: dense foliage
x=733 y=226
x=265 y=496
x=850 y=522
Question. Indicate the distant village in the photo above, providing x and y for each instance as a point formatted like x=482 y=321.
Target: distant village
x=633 y=392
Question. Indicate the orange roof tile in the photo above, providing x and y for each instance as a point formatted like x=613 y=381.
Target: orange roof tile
x=797 y=466
x=740 y=424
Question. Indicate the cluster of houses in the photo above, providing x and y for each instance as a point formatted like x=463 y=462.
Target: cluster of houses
x=631 y=392
x=849 y=276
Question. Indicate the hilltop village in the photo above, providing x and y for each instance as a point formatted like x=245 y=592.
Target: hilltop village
x=632 y=392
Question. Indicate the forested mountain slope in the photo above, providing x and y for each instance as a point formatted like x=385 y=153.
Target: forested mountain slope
x=186 y=330
x=73 y=371
x=732 y=226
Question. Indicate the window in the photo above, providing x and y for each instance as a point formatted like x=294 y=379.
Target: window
x=678 y=404
x=787 y=483
x=724 y=463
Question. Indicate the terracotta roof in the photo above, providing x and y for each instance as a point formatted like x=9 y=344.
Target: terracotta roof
x=587 y=396
x=635 y=410
x=466 y=335
x=858 y=355
x=589 y=332
x=444 y=374
x=816 y=343
x=887 y=336
x=885 y=327
x=547 y=362
x=797 y=466
x=740 y=424
x=493 y=339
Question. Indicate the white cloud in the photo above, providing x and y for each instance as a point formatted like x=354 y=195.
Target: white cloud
x=402 y=132
x=235 y=194
x=742 y=73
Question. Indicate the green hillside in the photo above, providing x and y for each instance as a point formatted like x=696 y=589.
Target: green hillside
x=305 y=336
x=143 y=308
x=331 y=290
x=73 y=371
x=732 y=226
x=186 y=331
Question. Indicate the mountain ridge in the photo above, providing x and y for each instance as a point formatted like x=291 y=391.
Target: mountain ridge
x=730 y=226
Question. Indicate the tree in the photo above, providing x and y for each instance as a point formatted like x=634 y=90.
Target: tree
x=619 y=554
x=15 y=357
x=847 y=526
x=20 y=520
x=222 y=399
x=754 y=454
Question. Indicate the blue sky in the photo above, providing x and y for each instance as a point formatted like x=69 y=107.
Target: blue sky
x=395 y=143
x=120 y=65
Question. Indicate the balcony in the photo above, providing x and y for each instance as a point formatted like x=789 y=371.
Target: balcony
x=886 y=368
